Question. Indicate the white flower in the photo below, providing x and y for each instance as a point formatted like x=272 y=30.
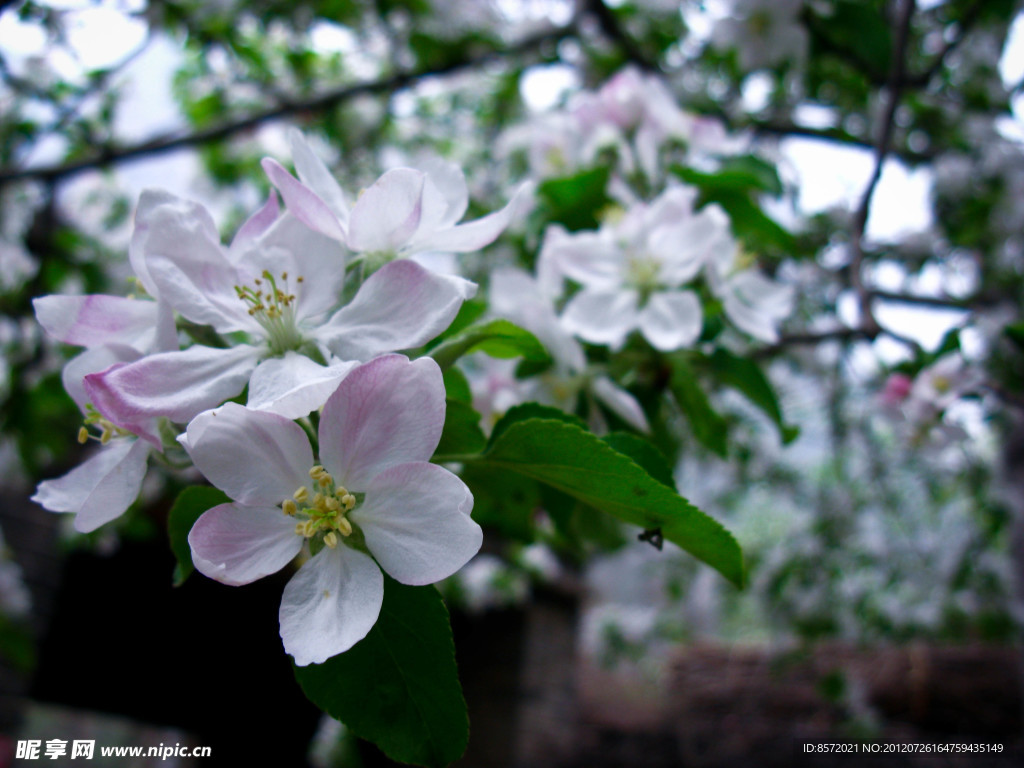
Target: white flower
x=278 y=285
x=632 y=271
x=373 y=496
x=752 y=302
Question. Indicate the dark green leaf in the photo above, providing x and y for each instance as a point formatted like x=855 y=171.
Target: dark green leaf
x=580 y=464
x=456 y=386
x=747 y=173
x=189 y=505
x=1016 y=334
x=744 y=375
x=708 y=426
x=532 y=411
x=398 y=687
x=643 y=453
x=462 y=433
x=576 y=201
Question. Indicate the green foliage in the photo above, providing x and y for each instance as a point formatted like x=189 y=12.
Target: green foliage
x=576 y=462
x=398 y=687
x=576 y=201
x=497 y=338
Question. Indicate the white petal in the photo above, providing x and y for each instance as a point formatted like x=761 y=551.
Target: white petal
x=175 y=385
x=254 y=227
x=671 y=320
x=416 y=521
x=256 y=458
x=387 y=213
x=92 y=361
x=589 y=258
x=756 y=304
x=184 y=259
x=314 y=174
x=401 y=306
x=303 y=202
x=318 y=260
x=601 y=317
x=330 y=604
x=94 y=320
x=388 y=411
x=472 y=235
x=684 y=247
x=621 y=402
x=294 y=386
x=236 y=544
x=100 y=489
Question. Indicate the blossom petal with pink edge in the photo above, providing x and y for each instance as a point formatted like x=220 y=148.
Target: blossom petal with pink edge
x=602 y=317
x=237 y=544
x=416 y=522
x=92 y=361
x=94 y=320
x=303 y=202
x=100 y=489
x=388 y=411
x=257 y=458
x=314 y=174
x=254 y=227
x=294 y=386
x=671 y=320
x=175 y=385
x=402 y=305
x=388 y=213
x=330 y=604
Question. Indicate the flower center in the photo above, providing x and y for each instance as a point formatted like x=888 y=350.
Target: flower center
x=272 y=304
x=325 y=513
x=643 y=272
x=108 y=430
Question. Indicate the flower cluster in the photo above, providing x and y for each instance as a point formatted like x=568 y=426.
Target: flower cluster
x=268 y=317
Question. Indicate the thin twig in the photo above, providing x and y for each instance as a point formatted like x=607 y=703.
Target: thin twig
x=860 y=220
x=324 y=101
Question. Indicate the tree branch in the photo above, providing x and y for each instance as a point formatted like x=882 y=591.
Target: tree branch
x=324 y=101
x=860 y=220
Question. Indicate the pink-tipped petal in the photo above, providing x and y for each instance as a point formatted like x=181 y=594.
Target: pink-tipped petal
x=256 y=458
x=388 y=213
x=401 y=306
x=330 y=604
x=236 y=544
x=94 y=320
x=100 y=489
x=92 y=361
x=303 y=202
x=175 y=385
x=254 y=227
x=314 y=174
x=417 y=524
x=388 y=411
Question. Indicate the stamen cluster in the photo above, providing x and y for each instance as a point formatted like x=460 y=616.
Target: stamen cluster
x=325 y=512
x=273 y=307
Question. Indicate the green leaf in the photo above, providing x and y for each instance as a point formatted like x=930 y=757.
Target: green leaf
x=497 y=338
x=456 y=386
x=1015 y=333
x=578 y=463
x=399 y=686
x=708 y=426
x=744 y=375
x=462 y=433
x=744 y=173
x=576 y=201
x=189 y=505
x=525 y=411
x=643 y=453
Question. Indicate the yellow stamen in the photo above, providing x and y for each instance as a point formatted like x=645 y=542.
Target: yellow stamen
x=289 y=507
x=331 y=539
x=301 y=495
x=83 y=435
